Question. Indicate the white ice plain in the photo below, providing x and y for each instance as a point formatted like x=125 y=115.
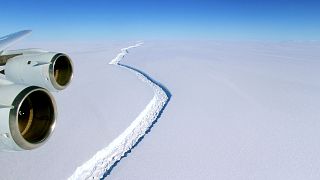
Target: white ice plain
x=244 y=110
x=105 y=160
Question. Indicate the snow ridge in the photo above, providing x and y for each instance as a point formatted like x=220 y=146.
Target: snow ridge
x=100 y=165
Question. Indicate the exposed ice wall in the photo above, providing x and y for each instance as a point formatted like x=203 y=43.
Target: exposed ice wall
x=106 y=158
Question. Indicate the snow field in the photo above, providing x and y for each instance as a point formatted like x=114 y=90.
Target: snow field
x=105 y=159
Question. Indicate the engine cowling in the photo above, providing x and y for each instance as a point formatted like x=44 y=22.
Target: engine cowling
x=27 y=117
x=50 y=70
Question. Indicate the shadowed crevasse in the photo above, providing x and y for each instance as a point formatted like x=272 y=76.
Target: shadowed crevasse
x=167 y=92
x=105 y=160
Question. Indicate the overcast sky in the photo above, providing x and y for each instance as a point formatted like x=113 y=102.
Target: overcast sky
x=164 y=19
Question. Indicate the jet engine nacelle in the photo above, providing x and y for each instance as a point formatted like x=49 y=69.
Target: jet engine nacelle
x=27 y=109
x=49 y=70
x=27 y=117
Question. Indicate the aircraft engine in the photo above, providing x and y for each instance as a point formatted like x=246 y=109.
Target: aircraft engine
x=49 y=70
x=27 y=117
x=28 y=111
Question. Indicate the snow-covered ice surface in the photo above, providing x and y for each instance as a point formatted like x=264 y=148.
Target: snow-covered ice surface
x=239 y=110
x=102 y=163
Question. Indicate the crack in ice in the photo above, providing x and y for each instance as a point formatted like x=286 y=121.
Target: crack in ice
x=100 y=165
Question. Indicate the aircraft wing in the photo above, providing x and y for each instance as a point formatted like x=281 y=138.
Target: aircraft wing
x=10 y=39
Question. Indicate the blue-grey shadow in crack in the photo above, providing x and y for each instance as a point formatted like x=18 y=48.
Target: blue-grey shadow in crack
x=108 y=172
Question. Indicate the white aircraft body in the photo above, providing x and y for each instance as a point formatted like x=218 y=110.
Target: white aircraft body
x=27 y=109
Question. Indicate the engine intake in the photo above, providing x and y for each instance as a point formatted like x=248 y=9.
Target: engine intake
x=60 y=71
x=31 y=119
